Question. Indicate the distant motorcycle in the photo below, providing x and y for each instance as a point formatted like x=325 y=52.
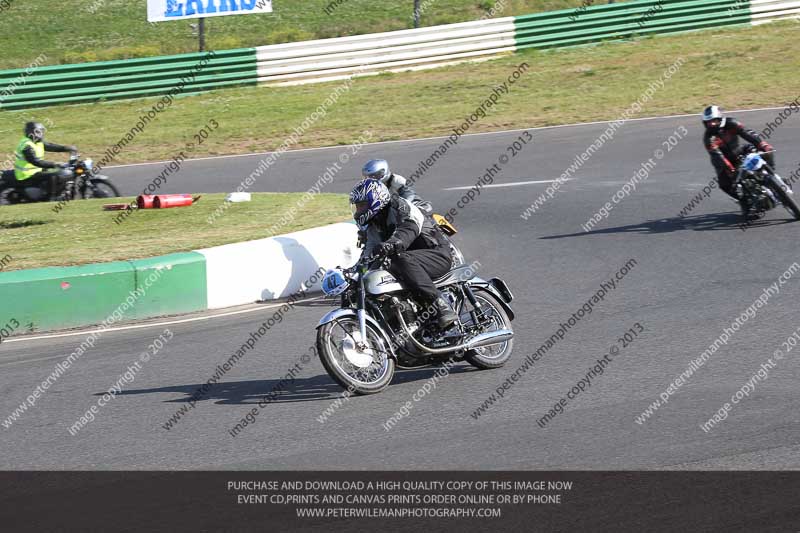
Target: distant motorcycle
x=380 y=326
x=761 y=188
x=81 y=182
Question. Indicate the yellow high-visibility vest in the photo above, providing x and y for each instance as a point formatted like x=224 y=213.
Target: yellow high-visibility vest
x=22 y=168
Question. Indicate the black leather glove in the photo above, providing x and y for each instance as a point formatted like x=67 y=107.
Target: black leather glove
x=387 y=248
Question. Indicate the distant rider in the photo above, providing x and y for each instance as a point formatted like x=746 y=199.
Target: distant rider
x=378 y=169
x=396 y=228
x=29 y=164
x=721 y=139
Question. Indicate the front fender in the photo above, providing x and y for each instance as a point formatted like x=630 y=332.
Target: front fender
x=347 y=311
x=499 y=289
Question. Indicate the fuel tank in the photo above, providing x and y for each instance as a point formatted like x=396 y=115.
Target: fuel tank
x=379 y=282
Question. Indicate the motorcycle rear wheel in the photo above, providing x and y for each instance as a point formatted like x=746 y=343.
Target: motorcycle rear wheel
x=6 y=195
x=335 y=339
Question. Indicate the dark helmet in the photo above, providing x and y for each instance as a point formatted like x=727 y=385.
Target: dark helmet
x=35 y=131
x=712 y=117
x=367 y=199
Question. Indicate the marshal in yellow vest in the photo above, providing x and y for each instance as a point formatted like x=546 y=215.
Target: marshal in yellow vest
x=22 y=168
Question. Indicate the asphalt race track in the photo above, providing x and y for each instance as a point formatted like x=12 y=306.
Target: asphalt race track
x=692 y=278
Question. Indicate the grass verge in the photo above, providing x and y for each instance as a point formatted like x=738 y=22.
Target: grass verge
x=33 y=236
x=734 y=68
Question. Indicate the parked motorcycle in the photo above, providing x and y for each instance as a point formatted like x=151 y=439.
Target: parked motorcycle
x=379 y=325
x=761 y=188
x=81 y=182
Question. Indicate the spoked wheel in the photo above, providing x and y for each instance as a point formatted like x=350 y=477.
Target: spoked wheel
x=492 y=317
x=786 y=197
x=101 y=189
x=362 y=367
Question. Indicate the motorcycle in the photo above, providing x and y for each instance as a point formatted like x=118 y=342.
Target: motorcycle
x=760 y=188
x=379 y=326
x=81 y=182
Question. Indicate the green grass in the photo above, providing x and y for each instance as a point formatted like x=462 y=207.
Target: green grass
x=83 y=233
x=66 y=31
x=733 y=68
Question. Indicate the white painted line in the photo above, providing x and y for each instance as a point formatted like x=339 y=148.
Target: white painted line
x=154 y=324
x=511 y=184
x=341 y=146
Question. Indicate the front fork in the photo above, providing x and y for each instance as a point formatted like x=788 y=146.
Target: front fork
x=362 y=316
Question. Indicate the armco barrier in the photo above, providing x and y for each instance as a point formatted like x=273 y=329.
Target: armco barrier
x=330 y=59
x=130 y=78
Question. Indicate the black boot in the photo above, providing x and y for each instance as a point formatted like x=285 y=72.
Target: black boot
x=445 y=314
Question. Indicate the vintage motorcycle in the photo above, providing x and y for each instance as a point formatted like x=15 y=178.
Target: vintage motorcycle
x=82 y=182
x=761 y=188
x=379 y=325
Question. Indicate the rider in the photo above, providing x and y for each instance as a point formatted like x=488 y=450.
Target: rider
x=378 y=169
x=29 y=164
x=721 y=139
x=396 y=227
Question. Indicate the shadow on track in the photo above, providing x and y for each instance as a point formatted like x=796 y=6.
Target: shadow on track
x=300 y=390
x=710 y=222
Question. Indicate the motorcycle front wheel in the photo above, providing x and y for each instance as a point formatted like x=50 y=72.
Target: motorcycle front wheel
x=100 y=188
x=361 y=368
x=786 y=197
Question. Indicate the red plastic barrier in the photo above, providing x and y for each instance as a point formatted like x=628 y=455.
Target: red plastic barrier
x=144 y=201
x=163 y=201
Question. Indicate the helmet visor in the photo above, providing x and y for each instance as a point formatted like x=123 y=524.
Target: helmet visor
x=713 y=123
x=375 y=174
x=359 y=208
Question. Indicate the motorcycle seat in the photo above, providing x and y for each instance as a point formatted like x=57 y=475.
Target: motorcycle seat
x=460 y=273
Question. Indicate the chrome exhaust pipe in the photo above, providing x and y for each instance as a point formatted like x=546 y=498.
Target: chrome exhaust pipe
x=484 y=339
x=489 y=338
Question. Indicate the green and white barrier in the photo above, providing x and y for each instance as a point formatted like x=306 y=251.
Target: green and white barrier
x=108 y=293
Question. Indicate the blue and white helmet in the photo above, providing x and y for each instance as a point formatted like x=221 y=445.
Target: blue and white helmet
x=376 y=169
x=367 y=199
x=334 y=282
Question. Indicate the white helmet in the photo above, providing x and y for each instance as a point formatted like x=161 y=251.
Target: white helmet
x=712 y=112
x=376 y=169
